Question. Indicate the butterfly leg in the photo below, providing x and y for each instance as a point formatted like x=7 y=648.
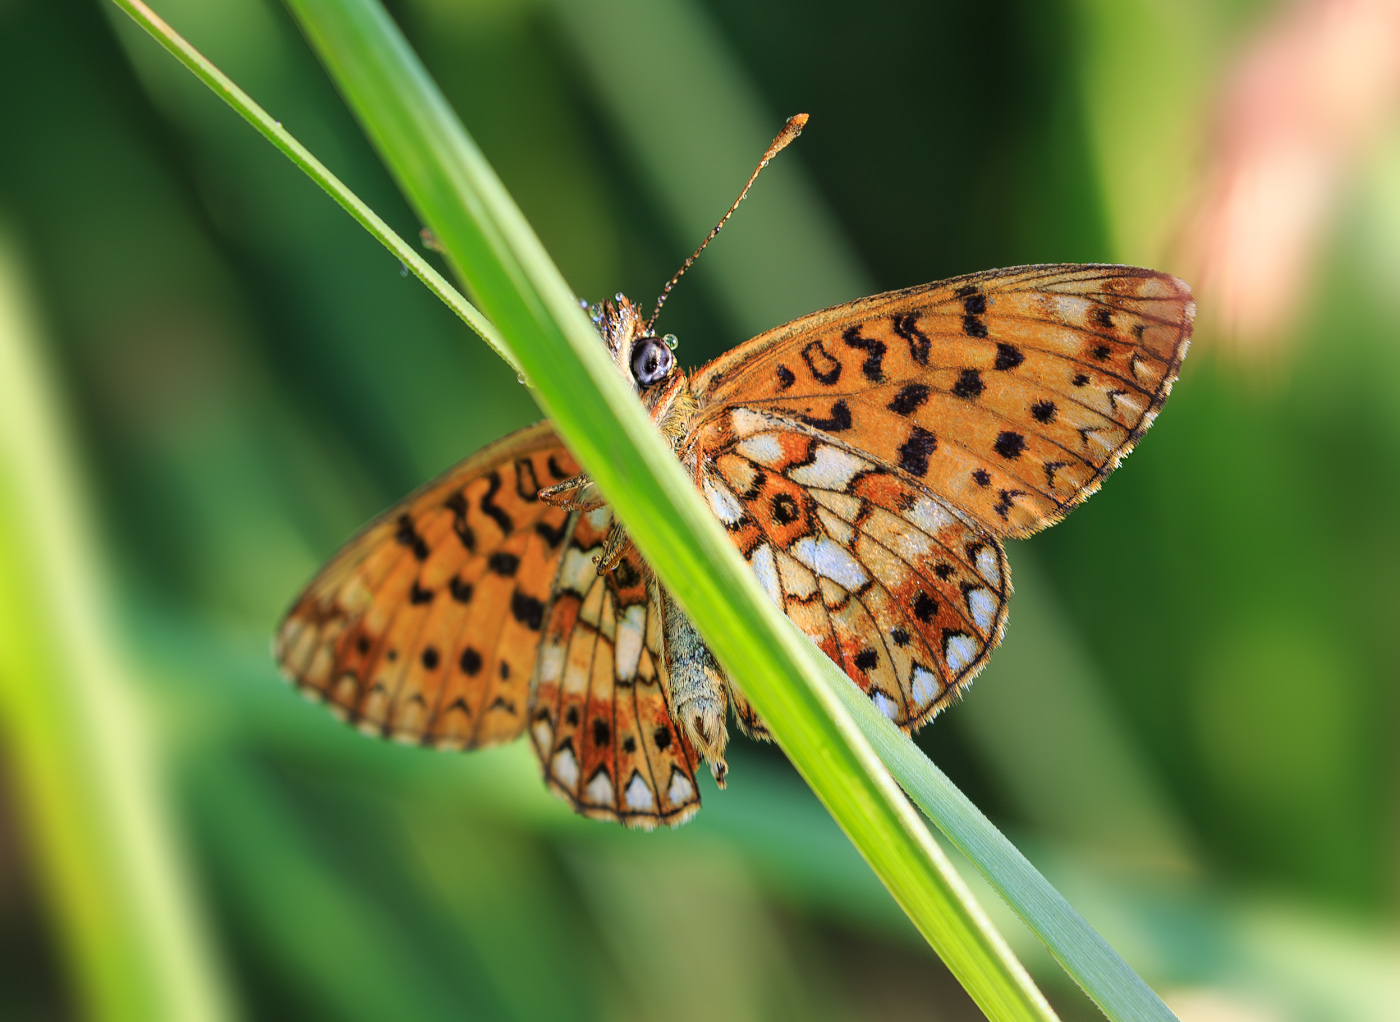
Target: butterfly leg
x=697 y=686
x=577 y=493
x=613 y=548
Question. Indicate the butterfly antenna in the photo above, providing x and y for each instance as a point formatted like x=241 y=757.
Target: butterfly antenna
x=790 y=131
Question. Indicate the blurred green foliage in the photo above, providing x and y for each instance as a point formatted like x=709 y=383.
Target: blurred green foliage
x=1191 y=728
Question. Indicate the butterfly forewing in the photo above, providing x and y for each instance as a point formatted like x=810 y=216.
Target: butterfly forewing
x=1010 y=394
x=424 y=626
x=601 y=721
x=905 y=594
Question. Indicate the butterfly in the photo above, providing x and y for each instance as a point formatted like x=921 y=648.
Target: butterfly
x=866 y=460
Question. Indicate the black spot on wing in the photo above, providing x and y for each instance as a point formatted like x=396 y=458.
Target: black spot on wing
x=907 y=326
x=551 y=536
x=470 y=661
x=1043 y=411
x=1009 y=444
x=430 y=658
x=527 y=610
x=974 y=305
x=408 y=536
x=503 y=562
x=1008 y=357
x=457 y=504
x=786 y=378
x=825 y=369
x=1005 y=501
x=1102 y=317
x=874 y=350
x=908 y=400
x=982 y=477
x=969 y=386
x=1102 y=351
x=925 y=607
x=525 y=482
x=837 y=420
x=558 y=473
x=488 y=503
x=418 y=595
x=461 y=591
x=785 y=508
x=914 y=452
x=866 y=659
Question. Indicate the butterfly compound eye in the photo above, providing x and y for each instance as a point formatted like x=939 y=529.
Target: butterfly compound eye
x=651 y=361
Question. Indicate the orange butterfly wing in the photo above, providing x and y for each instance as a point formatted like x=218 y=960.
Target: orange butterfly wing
x=867 y=458
x=601 y=720
x=1011 y=394
x=424 y=626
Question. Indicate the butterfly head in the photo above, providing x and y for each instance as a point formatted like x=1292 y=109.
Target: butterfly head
x=643 y=358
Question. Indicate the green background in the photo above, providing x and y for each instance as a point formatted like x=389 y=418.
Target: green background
x=1191 y=728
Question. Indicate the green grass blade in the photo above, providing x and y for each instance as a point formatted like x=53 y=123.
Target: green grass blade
x=1089 y=959
x=223 y=87
x=449 y=183
x=75 y=736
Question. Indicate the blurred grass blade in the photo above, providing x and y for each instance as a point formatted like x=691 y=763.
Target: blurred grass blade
x=1089 y=959
x=74 y=735
x=223 y=87
x=457 y=194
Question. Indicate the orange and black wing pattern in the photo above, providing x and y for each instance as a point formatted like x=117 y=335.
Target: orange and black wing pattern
x=601 y=720
x=424 y=626
x=1010 y=394
x=904 y=593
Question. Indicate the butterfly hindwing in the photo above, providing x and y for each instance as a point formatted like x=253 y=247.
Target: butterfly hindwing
x=907 y=595
x=601 y=721
x=1011 y=394
x=424 y=626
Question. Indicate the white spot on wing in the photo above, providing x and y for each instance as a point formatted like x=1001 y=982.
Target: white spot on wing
x=681 y=789
x=565 y=767
x=831 y=469
x=578 y=570
x=925 y=685
x=959 y=650
x=544 y=734
x=638 y=794
x=747 y=421
x=885 y=704
x=930 y=516
x=764 y=448
x=988 y=564
x=600 y=789
x=551 y=664
x=830 y=559
x=766 y=568
x=631 y=629
x=983 y=607
x=724 y=504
